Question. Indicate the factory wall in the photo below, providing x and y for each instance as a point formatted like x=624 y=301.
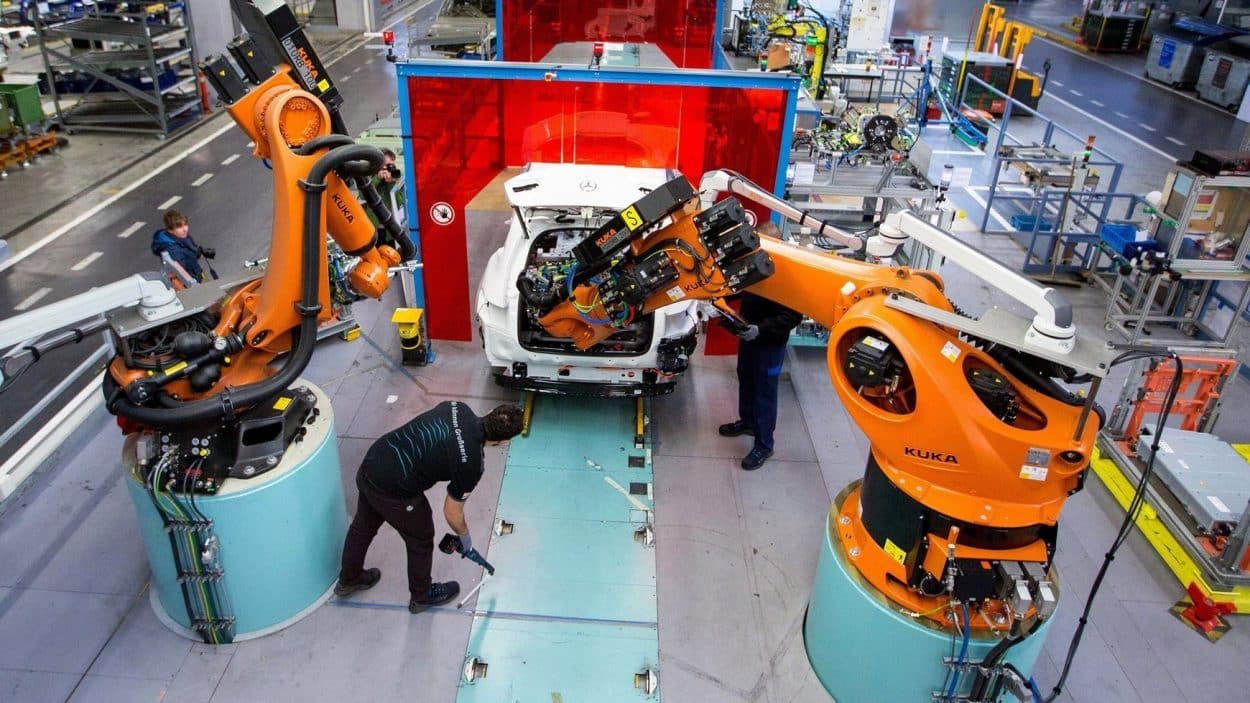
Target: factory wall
x=369 y=15
x=353 y=14
x=685 y=30
x=465 y=130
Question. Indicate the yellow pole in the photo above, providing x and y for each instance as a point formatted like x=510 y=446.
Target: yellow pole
x=528 y=414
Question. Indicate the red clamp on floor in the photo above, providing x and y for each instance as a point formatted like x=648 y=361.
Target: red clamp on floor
x=1205 y=613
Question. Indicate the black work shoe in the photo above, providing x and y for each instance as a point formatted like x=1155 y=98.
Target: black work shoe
x=735 y=428
x=367 y=579
x=438 y=594
x=755 y=459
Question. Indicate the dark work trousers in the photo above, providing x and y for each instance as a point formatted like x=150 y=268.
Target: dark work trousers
x=410 y=517
x=759 y=373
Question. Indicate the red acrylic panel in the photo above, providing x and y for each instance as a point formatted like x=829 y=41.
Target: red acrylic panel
x=683 y=29
x=461 y=140
x=457 y=148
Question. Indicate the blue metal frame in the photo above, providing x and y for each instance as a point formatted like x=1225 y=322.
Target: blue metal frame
x=410 y=191
x=520 y=71
x=718 y=52
x=787 y=138
x=516 y=70
x=1052 y=130
x=499 y=30
x=1080 y=247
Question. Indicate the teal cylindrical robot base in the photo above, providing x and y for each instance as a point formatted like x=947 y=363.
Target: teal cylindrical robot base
x=280 y=535
x=865 y=650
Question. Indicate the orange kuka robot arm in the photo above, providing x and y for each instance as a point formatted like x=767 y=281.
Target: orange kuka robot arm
x=972 y=455
x=286 y=123
x=278 y=313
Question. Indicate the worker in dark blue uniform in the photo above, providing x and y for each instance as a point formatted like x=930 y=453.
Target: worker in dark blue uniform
x=175 y=240
x=444 y=443
x=761 y=351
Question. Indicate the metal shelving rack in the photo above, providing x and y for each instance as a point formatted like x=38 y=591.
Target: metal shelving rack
x=125 y=41
x=1204 y=228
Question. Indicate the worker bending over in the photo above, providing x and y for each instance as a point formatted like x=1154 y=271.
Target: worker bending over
x=442 y=444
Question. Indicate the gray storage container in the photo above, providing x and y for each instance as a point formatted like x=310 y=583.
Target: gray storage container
x=1174 y=59
x=1223 y=77
x=1176 y=53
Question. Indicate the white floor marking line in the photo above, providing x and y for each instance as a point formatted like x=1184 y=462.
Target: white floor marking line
x=1056 y=83
x=131 y=230
x=229 y=126
x=637 y=503
x=1134 y=76
x=981 y=201
x=32 y=299
x=230 y=159
x=1146 y=127
x=1098 y=103
x=1123 y=116
x=357 y=69
x=169 y=203
x=55 y=234
x=1077 y=93
x=1108 y=125
x=86 y=261
x=1175 y=141
x=202 y=180
x=346 y=78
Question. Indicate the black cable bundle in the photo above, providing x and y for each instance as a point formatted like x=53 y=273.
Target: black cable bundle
x=1130 y=515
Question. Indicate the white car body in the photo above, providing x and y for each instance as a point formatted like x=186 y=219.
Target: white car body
x=555 y=206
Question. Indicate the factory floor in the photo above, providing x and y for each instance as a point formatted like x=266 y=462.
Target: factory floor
x=734 y=553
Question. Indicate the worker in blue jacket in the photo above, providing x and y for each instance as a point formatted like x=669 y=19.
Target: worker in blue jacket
x=176 y=241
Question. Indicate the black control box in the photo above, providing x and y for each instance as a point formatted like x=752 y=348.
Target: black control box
x=200 y=459
x=870 y=362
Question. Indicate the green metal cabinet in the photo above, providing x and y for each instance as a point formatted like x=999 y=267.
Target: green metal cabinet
x=24 y=103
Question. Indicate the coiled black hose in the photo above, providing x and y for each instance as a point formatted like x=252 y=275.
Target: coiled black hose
x=543 y=301
x=373 y=200
x=226 y=405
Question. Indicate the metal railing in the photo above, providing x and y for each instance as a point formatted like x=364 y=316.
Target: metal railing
x=27 y=458
x=1080 y=248
x=1053 y=140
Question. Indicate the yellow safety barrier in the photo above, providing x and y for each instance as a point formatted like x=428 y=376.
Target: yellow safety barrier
x=411 y=340
x=1164 y=542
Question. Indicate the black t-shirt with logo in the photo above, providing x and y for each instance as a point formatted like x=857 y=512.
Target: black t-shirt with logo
x=441 y=444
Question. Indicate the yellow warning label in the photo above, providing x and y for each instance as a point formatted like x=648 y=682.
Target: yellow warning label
x=632 y=219
x=175 y=368
x=281 y=403
x=895 y=552
x=323 y=85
